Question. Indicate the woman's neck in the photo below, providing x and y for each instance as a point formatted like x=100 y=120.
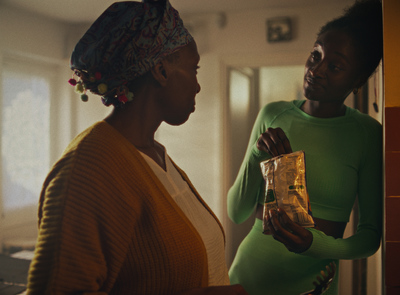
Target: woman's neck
x=139 y=129
x=323 y=109
x=135 y=124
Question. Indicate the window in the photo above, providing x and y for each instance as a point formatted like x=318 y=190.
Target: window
x=25 y=146
x=24 y=136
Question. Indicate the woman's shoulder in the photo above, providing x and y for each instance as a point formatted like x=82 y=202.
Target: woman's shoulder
x=367 y=122
x=99 y=139
x=275 y=108
x=97 y=159
x=100 y=148
x=279 y=105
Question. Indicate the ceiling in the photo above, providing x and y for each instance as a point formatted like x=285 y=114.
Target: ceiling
x=80 y=11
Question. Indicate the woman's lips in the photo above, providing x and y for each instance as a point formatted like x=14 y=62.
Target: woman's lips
x=313 y=83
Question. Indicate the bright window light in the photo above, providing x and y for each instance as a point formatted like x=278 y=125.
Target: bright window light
x=25 y=117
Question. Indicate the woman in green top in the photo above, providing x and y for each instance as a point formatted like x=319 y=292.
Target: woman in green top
x=343 y=149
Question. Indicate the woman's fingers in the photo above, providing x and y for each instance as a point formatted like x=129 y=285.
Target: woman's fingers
x=281 y=141
x=286 y=145
x=274 y=142
x=279 y=228
x=266 y=144
x=295 y=238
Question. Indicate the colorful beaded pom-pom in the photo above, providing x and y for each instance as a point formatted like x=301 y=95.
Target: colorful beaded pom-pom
x=102 y=88
x=72 y=82
x=84 y=97
x=79 y=88
x=130 y=96
x=122 y=98
x=105 y=101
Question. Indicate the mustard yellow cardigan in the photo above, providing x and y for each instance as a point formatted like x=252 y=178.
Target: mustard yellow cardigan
x=108 y=226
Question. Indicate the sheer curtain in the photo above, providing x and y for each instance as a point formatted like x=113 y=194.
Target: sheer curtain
x=25 y=147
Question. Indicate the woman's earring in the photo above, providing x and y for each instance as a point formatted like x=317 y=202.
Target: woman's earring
x=355 y=90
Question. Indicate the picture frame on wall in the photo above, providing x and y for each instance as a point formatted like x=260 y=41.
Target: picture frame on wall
x=279 y=29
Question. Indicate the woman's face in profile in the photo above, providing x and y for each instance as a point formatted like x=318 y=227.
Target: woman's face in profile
x=182 y=86
x=332 y=70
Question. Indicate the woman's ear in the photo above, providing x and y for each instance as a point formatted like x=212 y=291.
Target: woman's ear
x=160 y=73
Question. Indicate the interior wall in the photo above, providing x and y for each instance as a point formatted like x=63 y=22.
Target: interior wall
x=29 y=34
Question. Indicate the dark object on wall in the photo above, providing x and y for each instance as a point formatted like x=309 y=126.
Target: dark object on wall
x=279 y=29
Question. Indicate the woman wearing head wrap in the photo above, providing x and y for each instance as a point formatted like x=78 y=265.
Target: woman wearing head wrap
x=116 y=215
x=343 y=150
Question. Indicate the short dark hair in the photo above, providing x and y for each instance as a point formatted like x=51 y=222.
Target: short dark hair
x=363 y=23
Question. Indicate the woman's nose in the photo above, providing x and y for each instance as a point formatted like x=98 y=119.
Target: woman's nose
x=198 y=88
x=318 y=70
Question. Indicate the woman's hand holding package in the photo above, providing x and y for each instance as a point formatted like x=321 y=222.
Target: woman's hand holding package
x=274 y=142
x=296 y=238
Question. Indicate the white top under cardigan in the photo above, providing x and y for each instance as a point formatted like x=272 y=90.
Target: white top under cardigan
x=201 y=219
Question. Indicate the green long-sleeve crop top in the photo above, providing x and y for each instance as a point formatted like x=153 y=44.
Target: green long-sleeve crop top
x=343 y=162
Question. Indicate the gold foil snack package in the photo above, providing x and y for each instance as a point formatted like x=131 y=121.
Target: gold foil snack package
x=285 y=187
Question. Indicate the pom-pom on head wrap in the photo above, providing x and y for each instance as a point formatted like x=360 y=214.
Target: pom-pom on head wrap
x=125 y=42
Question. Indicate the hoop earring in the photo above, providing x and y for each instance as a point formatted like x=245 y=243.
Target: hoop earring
x=355 y=90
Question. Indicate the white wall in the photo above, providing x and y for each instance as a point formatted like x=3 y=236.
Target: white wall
x=29 y=34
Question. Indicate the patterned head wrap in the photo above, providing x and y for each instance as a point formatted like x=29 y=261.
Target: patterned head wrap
x=125 y=42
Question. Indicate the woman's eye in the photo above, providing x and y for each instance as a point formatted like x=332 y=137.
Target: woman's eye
x=334 y=67
x=315 y=56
